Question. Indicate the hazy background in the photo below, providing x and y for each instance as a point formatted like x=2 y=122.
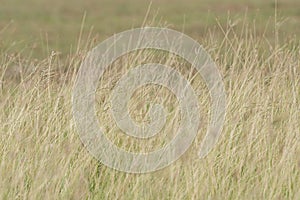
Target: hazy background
x=40 y=26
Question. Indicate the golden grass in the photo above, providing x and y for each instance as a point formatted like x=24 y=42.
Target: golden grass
x=257 y=156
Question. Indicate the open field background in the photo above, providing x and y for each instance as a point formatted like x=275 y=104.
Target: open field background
x=42 y=44
x=40 y=26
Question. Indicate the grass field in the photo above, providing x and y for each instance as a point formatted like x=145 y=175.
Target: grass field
x=256 y=45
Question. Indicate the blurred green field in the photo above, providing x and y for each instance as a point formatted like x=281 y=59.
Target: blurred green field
x=36 y=27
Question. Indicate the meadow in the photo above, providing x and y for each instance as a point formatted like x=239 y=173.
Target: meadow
x=256 y=46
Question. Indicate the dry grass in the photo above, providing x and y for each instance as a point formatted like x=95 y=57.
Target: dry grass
x=257 y=157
